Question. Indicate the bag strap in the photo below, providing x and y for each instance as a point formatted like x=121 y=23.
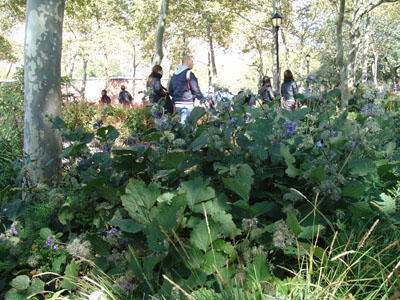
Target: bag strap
x=188 y=79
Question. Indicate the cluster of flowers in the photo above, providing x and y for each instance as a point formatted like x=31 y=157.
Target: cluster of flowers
x=283 y=237
x=290 y=128
x=79 y=248
x=50 y=243
x=98 y=124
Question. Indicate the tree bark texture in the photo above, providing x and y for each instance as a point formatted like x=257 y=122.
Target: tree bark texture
x=42 y=66
x=211 y=45
x=159 y=54
x=340 y=56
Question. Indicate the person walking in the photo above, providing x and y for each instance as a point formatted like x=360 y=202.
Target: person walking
x=124 y=98
x=157 y=91
x=105 y=99
x=288 y=90
x=266 y=91
x=184 y=88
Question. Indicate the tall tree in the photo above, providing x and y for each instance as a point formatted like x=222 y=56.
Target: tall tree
x=158 y=55
x=42 y=66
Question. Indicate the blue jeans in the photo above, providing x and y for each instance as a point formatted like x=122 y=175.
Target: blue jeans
x=184 y=112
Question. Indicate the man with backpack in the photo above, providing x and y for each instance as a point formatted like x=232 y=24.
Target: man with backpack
x=184 y=88
x=124 y=97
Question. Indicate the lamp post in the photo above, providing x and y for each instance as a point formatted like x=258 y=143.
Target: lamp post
x=308 y=63
x=276 y=22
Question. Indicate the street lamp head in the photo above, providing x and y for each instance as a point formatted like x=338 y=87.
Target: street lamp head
x=276 y=20
x=308 y=57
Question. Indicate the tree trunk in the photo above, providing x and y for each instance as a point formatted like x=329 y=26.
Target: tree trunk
x=134 y=71
x=261 y=71
x=210 y=41
x=42 y=67
x=365 y=54
x=340 y=56
x=375 y=67
x=209 y=69
x=158 y=56
x=9 y=70
x=285 y=44
x=84 y=79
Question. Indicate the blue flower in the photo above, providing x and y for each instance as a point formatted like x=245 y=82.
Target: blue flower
x=333 y=134
x=222 y=126
x=106 y=149
x=363 y=110
x=310 y=77
x=370 y=106
x=233 y=121
x=171 y=124
x=389 y=158
x=124 y=241
x=155 y=115
x=112 y=231
x=14 y=231
x=49 y=241
x=319 y=144
x=55 y=247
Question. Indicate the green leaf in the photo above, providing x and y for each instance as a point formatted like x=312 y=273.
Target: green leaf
x=200 y=237
x=293 y=223
x=71 y=276
x=45 y=232
x=387 y=204
x=165 y=198
x=199 y=142
x=14 y=294
x=308 y=232
x=228 y=227
x=334 y=92
x=291 y=171
x=362 y=167
x=153 y=137
x=137 y=193
x=317 y=174
x=241 y=184
x=258 y=270
x=212 y=258
x=65 y=214
x=173 y=160
x=356 y=190
x=58 y=123
x=37 y=286
x=99 y=245
x=196 y=114
x=21 y=282
x=127 y=225
x=195 y=259
x=197 y=191
x=361 y=210
x=56 y=266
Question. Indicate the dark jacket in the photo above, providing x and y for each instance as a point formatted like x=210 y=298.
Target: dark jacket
x=157 y=91
x=105 y=99
x=288 y=90
x=183 y=91
x=124 y=97
x=266 y=93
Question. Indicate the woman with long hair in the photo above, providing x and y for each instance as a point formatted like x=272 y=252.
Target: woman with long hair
x=156 y=90
x=288 y=90
x=266 y=91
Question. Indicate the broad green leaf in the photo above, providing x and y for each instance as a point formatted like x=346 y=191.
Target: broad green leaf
x=213 y=258
x=37 y=286
x=14 y=294
x=199 y=142
x=387 y=204
x=293 y=223
x=195 y=259
x=361 y=210
x=197 y=191
x=224 y=246
x=196 y=114
x=308 y=232
x=241 y=183
x=153 y=137
x=137 y=193
x=21 y=282
x=258 y=270
x=200 y=236
x=362 y=167
x=56 y=266
x=99 y=245
x=355 y=190
x=127 y=225
x=317 y=174
x=58 y=123
x=228 y=227
x=71 y=276
x=65 y=214
x=45 y=232
x=173 y=160
x=291 y=170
